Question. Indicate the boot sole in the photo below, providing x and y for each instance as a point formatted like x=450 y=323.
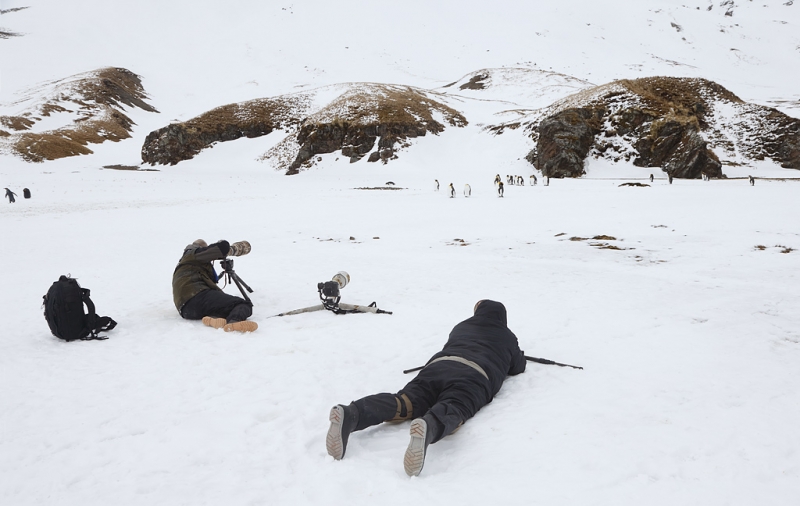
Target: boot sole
x=414 y=458
x=244 y=326
x=214 y=323
x=333 y=442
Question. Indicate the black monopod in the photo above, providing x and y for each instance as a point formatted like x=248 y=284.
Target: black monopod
x=529 y=359
x=550 y=362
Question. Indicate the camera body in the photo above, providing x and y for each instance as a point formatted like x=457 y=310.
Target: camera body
x=329 y=290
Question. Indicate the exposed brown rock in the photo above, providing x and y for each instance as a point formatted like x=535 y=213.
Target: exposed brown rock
x=368 y=114
x=361 y=116
x=182 y=141
x=475 y=82
x=678 y=149
x=564 y=141
x=670 y=123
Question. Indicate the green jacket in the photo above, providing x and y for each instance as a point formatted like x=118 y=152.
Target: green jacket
x=195 y=273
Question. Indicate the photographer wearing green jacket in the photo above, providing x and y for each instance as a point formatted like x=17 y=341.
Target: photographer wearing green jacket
x=195 y=291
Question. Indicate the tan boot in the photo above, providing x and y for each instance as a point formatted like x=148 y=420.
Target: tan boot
x=217 y=323
x=245 y=326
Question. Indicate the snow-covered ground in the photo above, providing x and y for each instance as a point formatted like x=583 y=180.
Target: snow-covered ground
x=688 y=333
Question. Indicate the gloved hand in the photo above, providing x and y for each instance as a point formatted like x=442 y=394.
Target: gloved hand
x=239 y=248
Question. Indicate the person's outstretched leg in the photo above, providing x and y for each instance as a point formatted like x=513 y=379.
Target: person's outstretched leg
x=363 y=413
x=238 y=318
x=220 y=310
x=424 y=431
x=461 y=393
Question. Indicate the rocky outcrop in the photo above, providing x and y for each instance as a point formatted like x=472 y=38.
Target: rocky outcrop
x=359 y=118
x=255 y=118
x=89 y=104
x=679 y=149
x=182 y=141
x=565 y=140
x=674 y=124
x=374 y=119
x=355 y=141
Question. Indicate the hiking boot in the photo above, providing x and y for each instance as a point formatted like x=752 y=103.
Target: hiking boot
x=216 y=323
x=421 y=437
x=244 y=326
x=343 y=420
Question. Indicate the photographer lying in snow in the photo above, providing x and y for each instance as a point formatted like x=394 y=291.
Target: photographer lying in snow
x=455 y=383
x=195 y=290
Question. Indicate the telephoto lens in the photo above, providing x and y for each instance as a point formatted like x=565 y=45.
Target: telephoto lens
x=342 y=278
x=239 y=248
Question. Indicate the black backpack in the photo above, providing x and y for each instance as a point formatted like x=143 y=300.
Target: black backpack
x=63 y=310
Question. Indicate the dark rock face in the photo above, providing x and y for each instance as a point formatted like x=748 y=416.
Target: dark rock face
x=679 y=150
x=182 y=141
x=785 y=146
x=565 y=140
x=361 y=116
x=355 y=141
x=669 y=123
x=475 y=83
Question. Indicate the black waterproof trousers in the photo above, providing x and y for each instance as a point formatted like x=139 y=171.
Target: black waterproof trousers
x=218 y=304
x=449 y=391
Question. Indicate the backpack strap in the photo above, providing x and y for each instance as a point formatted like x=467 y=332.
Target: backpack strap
x=96 y=324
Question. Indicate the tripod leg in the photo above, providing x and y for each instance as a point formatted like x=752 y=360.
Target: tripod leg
x=310 y=309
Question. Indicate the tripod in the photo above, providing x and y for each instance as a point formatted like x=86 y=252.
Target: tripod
x=330 y=302
x=230 y=276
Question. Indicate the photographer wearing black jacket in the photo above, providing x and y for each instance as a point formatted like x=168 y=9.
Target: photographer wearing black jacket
x=456 y=382
x=195 y=291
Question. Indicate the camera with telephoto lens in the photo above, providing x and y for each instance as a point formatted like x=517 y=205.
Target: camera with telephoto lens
x=329 y=290
x=237 y=249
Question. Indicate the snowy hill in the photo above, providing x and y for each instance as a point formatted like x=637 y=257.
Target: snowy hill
x=683 y=311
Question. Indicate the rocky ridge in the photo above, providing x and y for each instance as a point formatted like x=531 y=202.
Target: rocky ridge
x=88 y=106
x=679 y=125
x=359 y=118
x=685 y=127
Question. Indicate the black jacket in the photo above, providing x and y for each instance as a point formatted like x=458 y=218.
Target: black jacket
x=486 y=340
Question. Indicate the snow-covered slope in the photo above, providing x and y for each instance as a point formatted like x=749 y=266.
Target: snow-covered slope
x=688 y=332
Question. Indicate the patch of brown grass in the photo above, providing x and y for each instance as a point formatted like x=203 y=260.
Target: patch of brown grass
x=17 y=122
x=605 y=245
x=47 y=146
x=604 y=238
x=121 y=167
x=677 y=98
x=784 y=249
x=376 y=104
x=270 y=113
x=72 y=141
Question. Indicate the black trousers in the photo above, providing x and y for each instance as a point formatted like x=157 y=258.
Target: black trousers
x=450 y=392
x=218 y=304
